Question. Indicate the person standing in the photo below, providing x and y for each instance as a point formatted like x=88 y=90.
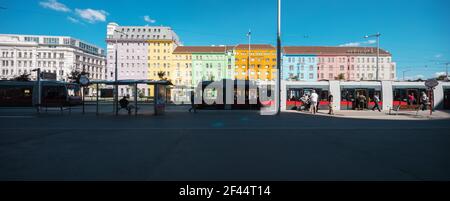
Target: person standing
x=411 y=99
x=314 y=100
x=376 y=100
x=193 y=102
x=362 y=101
x=330 y=105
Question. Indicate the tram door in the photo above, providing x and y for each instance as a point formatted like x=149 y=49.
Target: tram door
x=447 y=99
x=361 y=103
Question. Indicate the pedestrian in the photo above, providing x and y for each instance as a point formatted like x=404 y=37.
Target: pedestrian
x=376 y=100
x=424 y=101
x=362 y=101
x=193 y=102
x=125 y=104
x=330 y=105
x=411 y=99
x=314 y=99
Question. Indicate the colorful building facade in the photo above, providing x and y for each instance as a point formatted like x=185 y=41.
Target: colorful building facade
x=258 y=64
x=343 y=63
x=299 y=67
x=208 y=63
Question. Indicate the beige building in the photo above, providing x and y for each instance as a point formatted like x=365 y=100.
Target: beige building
x=182 y=64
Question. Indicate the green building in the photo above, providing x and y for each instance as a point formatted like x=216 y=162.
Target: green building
x=212 y=63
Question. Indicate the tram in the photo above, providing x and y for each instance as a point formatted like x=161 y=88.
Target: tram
x=25 y=94
x=359 y=95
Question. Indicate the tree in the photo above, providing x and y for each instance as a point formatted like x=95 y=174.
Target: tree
x=441 y=77
x=162 y=75
x=211 y=78
x=75 y=76
x=23 y=78
x=340 y=77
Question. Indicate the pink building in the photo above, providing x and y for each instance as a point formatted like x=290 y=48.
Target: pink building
x=352 y=63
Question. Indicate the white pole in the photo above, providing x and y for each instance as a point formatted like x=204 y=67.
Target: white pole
x=378 y=54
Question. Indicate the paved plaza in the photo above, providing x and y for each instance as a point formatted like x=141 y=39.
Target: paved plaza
x=222 y=145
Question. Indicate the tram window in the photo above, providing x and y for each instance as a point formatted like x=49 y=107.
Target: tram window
x=54 y=92
x=323 y=95
x=74 y=90
x=407 y=96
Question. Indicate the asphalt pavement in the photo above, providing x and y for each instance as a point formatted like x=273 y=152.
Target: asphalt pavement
x=219 y=145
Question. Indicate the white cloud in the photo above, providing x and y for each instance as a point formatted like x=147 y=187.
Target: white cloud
x=148 y=19
x=91 y=15
x=438 y=56
x=439 y=74
x=357 y=44
x=74 y=20
x=420 y=76
x=54 y=5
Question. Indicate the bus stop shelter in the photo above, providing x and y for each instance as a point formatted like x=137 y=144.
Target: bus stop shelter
x=159 y=88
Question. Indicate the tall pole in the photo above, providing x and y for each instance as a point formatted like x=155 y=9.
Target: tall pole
x=116 y=88
x=404 y=74
x=249 y=35
x=378 y=55
x=446 y=71
x=39 y=89
x=278 y=85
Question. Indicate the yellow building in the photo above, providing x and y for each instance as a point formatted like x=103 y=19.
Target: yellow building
x=160 y=58
x=262 y=62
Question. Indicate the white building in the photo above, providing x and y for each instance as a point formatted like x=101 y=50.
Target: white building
x=20 y=54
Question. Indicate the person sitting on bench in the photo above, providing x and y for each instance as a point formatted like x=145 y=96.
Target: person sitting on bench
x=125 y=104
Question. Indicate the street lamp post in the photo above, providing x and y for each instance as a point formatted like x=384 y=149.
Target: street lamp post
x=116 y=87
x=404 y=73
x=377 y=35
x=278 y=79
x=38 y=72
x=446 y=71
x=249 y=36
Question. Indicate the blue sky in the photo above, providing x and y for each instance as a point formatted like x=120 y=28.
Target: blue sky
x=416 y=32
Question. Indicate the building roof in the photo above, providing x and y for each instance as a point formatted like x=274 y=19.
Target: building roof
x=200 y=49
x=324 y=50
x=255 y=47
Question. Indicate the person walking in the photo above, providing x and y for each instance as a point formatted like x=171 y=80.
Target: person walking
x=193 y=102
x=376 y=100
x=314 y=99
x=330 y=105
x=424 y=101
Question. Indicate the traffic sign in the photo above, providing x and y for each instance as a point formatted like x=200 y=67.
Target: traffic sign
x=431 y=83
x=84 y=80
